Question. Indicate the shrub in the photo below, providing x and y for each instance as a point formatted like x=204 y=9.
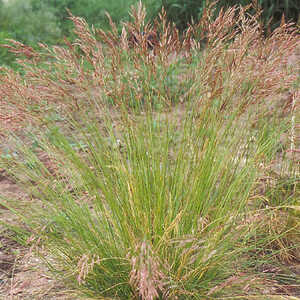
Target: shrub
x=93 y=11
x=28 y=25
x=183 y=12
x=20 y=22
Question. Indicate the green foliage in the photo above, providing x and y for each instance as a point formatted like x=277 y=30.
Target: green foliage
x=19 y=21
x=94 y=11
x=33 y=21
x=183 y=12
x=27 y=25
x=6 y=57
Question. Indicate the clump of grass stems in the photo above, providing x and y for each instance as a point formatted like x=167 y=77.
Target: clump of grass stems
x=154 y=212
x=140 y=193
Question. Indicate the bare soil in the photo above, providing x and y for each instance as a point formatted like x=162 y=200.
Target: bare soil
x=22 y=275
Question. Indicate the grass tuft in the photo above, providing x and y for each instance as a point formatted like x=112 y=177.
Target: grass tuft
x=150 y=170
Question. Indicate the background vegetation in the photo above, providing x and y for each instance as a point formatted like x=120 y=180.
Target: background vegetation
x=183 y=12
x=32 y=21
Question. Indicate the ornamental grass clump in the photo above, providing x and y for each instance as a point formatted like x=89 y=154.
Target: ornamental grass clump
x=142 y=164
x=152 y=211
